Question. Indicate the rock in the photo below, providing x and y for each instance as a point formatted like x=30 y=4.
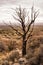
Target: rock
x=10 y=63
x=16 y=64
x=19 y=51
x=5 y=62
x=22 y=61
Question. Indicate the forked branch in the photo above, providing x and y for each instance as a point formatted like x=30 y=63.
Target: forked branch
x=17 y=32
x=33 y=18
x=29 y=35
x=21 y=15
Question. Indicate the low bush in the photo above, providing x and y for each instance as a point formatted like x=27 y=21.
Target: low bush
x=3 y=47
x=12 y=45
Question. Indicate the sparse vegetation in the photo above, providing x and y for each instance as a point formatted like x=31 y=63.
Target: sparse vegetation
x=3 y=47
x=12 y=45
x=34 y=54
x=10 y=49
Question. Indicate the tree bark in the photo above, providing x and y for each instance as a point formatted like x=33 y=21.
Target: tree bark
x=24 y=46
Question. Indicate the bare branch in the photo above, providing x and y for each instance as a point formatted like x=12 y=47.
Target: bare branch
x=16 y=18
x=36 y=14
x=21 y=14
x=17 y=32
x=29 y=26
x=18 y=12
x=29 y=35
x=33 y=17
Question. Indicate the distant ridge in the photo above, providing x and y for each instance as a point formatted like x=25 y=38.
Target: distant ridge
x=7 y=27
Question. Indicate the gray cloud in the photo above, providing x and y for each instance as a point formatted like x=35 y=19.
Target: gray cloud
x=27 y=3
x=38 y=3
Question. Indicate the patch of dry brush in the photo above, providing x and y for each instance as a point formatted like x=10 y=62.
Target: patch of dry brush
x=34 y=54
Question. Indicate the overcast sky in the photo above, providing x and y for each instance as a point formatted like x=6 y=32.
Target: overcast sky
x=6 y=5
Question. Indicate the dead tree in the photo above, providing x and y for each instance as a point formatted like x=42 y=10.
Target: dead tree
x=22 y=14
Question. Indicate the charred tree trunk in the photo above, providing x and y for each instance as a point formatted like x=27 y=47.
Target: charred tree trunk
x=24 y=46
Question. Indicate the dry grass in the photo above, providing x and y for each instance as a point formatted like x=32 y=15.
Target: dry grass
x=34 y=47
